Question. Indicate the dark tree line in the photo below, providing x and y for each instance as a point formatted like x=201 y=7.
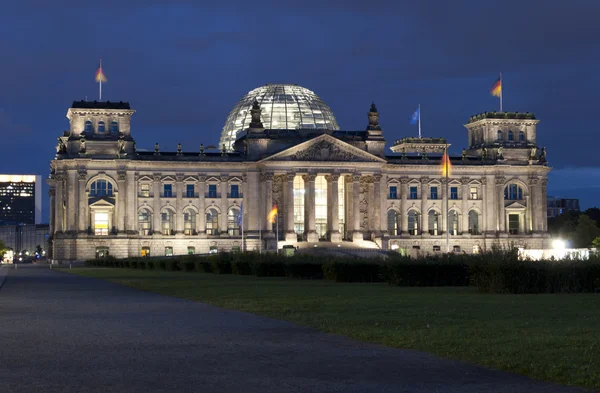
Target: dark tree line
x=580 y=230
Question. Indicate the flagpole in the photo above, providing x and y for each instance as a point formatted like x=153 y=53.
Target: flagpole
x=277 y=232
x=447 y=167
x=501 y=92
x=242 y=213
x=419 y=121
x=101 y=72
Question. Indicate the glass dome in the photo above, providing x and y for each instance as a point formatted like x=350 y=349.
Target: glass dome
x=284 y=106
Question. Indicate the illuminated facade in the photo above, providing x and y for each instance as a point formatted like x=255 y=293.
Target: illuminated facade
x=20 y=199
x=332 y=187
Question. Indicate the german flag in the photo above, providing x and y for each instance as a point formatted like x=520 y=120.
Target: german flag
x=497 y=88
x=272 y=217
x=446 y=166
x=100 y=77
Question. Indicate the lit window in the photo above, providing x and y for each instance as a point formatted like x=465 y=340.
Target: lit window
x=101 y=223
x=166 y=222
x=168 y=251
x=145 y=251
x=453 y=192
x=298 y=204
x=101 y=188
x=393 y=223
x=212 y=222
x=433 y=193
x=145 y=222
x=191 y=250
x=453 y=222
x=234 y=221
x=168 y=190
x=413 y=222
x=433 y=221
x=473 y=192
x=189 y=222
x=393 y=192
x=144 y=190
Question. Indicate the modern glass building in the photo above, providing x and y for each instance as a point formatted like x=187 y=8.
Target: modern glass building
x=284 y=107
x=20 y=199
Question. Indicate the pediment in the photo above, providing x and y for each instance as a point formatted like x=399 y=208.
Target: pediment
x=190 y=179
x=324 y=148
x=101 y=203
x=515 y=206
x=168 y=179
x=145 y=178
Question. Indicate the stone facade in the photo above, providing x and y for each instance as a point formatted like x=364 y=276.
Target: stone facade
x=332 y=186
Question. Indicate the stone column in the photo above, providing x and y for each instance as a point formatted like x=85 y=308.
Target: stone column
x=121 y=207
x=267 y=187
x=357 y=235
x=224 y=204
x=403 y=204
x=201 y=221
x=131 y=201
x=543 y=226
x=349 y=205
x=156 y=227
x=179 y=203
x=83 y=203
x=490 y=210
x=72 y=188
x=245 y=204
x=383 y=195
x=333 y=208
x=52 y=195
x=310 y=232
x=59 y=211
x=290 y=235
x=424 y=216
x=371 y=205
x=376 y=230
x=464 y=192
x=500 y=205
x=444 y=221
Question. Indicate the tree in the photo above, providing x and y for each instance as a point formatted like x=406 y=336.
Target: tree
x=39 y=250
x=594 y=214
x=585 y=232
x=3 y=249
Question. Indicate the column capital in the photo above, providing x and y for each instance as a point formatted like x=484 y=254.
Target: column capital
x=465 y=180
x=266 y=176
x=377 y=177
x=404 y=180
x=309 y=177
x=332 y=177
x=122 y=176
x=224 y=178
x=424 y=180
x=179 y=177
x=202 y=177
x=483 y=181
x=500 y=181
x=52 y=192
x=356 y=177
x=290 y=176
x=156 y=177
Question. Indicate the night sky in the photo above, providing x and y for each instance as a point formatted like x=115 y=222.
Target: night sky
x=183 y=66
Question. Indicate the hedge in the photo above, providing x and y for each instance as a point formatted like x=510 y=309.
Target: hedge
x=496 y=271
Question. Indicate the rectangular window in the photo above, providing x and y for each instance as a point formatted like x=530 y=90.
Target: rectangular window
x=191 y=250
x=453 y=192
x=101 y=223
x=437 y=248
x=433 y=193
x=513 y=224
x=145 y=251
x=168 y=251
x=456 y=248
x=413 y=192
x=212 y=190
x=473 y=193
x=235 y=191
x=393 y=192
x=168 y=190
x=144 y=190
x=189 y=191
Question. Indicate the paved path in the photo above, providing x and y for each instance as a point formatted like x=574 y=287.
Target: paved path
x=65 y=333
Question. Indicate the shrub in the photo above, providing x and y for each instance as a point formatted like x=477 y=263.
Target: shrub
x=353 y=271
x=437 y=271
x=310 y=270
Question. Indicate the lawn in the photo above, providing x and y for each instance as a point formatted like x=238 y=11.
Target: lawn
x=549 y=337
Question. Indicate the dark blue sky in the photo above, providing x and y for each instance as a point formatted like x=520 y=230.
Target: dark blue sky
x=183 y=66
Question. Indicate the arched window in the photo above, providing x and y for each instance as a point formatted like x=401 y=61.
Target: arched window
x=101 y=127
x=413 y=222
x=521 y=136
x=433 y=219
x=234 y=221
x=473 y=222
x=394 y=226
x=88 y=127
x=166 y=222
x=513 y=192
x=189 y=222
x=499 y=135
x=101 y=188
x=510 y=136
x=453 y=222
x=145 y=222
x=114 y=127
x=212 y=222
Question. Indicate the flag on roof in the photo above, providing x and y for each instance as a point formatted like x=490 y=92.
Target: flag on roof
x=100 y=77
x=414 y=119
x=497 y=88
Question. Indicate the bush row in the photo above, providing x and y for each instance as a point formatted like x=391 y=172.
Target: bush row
x=496 y=271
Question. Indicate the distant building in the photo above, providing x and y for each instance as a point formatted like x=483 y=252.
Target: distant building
x=20 y=199
x=558 y=206
x=25 y=237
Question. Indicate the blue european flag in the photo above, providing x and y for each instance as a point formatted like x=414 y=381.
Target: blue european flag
x=414 y=119
x=241 y=214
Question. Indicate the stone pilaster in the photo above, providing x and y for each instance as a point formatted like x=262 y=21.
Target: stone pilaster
x=224 y=204
x=83 y=202
x=357 y=235
x=333 y=208
x=121 y=206
x=424 y=216
x=290 y=234
x=544 y=206
x=500 y=181
x=310 y=232
x=179 y=203
x=267 y=186
x=59 y=220
x=403 y=204
x=72 y=191
x=444 y=221
x=52 y=195
x=201 y=221
x=156 y=225
x=464 y=193
x=131 y=202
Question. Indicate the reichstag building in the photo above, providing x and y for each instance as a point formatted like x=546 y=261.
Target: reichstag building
x=281 y=146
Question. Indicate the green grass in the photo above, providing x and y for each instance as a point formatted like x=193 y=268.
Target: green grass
x=549 y=337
